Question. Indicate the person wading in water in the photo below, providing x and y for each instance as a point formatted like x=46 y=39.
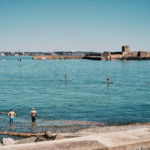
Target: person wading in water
x=65 y=77
x=33 y=114
x=108 y=79
x=11 y=114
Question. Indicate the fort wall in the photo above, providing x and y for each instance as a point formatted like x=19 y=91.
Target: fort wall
x=116 y=56
x=58 y=57
x=126 y=49
x=124 y=54
x=143 y=54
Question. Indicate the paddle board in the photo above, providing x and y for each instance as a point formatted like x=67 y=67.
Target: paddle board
x=108 y=82
x=64 y=80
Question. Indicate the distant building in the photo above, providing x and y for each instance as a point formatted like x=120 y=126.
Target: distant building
x=2 y=54
x=92 y=54
x=69 y=53
x=125 y=49
x=105 y=55
x=143 y=54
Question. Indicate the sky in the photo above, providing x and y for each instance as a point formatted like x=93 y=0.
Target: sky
x=74 y=25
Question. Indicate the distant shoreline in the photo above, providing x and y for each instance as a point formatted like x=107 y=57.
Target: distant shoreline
x=63 y=57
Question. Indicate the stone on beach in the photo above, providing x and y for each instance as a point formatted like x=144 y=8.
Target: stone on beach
x=26 y=140
x=49 y=135
x=8 y=141
x=40 y=139
x=59 y=137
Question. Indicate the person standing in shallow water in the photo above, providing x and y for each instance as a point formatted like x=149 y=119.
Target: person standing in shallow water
x=33 y=114
x=108 y=79
x=65 y=77
x=11 y=114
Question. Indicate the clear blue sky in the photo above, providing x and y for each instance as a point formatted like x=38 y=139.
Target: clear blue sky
x=86 y=25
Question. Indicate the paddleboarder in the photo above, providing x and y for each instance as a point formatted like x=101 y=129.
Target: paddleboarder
x=108 y=79
x=65 y=77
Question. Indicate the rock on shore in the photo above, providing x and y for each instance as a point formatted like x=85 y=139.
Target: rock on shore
x=7 y=141
x=48 y=136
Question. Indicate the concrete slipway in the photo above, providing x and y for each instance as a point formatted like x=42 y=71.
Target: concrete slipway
x=136 y=139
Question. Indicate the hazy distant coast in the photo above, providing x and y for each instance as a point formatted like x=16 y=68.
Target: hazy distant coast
x=125 y=54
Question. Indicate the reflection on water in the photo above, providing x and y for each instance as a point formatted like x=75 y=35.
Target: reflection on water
x=33 y=126
x=12 y=126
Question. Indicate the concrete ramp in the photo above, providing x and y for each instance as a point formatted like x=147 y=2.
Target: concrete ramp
x=137 y=139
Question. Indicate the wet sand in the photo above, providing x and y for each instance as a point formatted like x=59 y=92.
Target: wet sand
x=100 y=137
x=87 y=128
x=112 y=128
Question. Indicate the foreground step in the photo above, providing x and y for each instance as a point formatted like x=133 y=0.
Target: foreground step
x=137 y=139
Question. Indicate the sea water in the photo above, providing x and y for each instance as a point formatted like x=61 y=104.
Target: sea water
x=40 y=84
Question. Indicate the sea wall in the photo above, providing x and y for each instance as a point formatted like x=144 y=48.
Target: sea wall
x=143 y=54
x=93 y=57
x=116 y=56
x=132 y=54
x=58 y=57
x=137 y=56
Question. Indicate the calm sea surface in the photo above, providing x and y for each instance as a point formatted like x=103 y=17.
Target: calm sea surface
x=64 y=106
